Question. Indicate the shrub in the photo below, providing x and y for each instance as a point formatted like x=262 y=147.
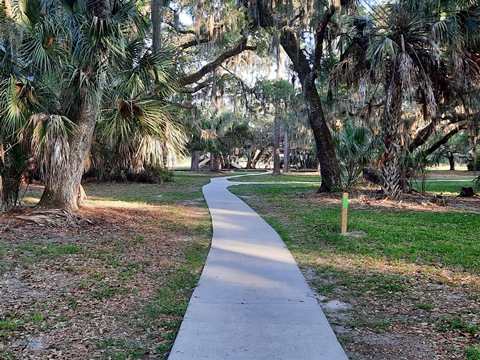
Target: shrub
x=151 y=175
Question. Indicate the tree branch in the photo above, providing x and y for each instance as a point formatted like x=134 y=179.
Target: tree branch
x=192 y=43
x=191 y=78
x=245 y=88
x=187 y=106
x=197 y=88
x=180 y=31
x=424 y=134
x=445 y=139
x=319 y=37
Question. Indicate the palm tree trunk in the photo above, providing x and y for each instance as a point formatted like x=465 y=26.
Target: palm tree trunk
x=8 y=8
x=391 y=163
x=64 y=191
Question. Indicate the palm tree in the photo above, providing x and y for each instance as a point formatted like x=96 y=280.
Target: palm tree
x=18 y=99
x=80 y=56
x=356 y=147
x=137 y=125
x=410 y=52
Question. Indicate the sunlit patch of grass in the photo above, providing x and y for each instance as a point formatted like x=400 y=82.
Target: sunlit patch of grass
x=313 y=177
x=444 y=186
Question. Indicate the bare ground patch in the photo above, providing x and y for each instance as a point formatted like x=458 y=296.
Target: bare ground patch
x=92 y=286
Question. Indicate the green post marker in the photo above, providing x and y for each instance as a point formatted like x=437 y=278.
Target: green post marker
x=344 y=213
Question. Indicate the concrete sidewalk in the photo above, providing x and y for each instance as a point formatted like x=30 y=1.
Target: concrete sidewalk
x=252 y=301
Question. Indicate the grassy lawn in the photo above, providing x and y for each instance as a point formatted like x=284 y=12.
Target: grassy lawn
x=114 y=284
x=444 y=186
x=267 y=177
x=409 y=276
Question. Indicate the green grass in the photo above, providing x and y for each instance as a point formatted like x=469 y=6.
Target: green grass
x=472 y=354
x=120 y=349
x=444 y=187
x=51 y=250
x=448 y=238
x=184 y=187
x=448 y=323
x=110 y=266
x=425 y=306
x=398 y=254
x=361 y=283
x=172 y=299
x=267 y=177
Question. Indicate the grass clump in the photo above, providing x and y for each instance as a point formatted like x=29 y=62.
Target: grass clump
x=51 y=250
x=472 y=354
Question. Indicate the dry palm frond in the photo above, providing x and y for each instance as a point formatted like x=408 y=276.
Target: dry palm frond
x=406 y=70
x=50 y=144
x=427 y=88
x=342 y=72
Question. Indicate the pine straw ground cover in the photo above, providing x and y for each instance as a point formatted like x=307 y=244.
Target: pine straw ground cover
x=404 y=285
x=111 y=282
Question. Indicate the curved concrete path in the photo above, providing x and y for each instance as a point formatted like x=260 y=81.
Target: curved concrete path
x=252 y=302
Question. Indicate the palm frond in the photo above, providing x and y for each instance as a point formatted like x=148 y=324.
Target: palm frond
x=142 y=130
x=127 y=15
x=17 y=99
x=406 y=70
x=44 y=45
x=50 y=144
x=146 y=72
x=380 y=49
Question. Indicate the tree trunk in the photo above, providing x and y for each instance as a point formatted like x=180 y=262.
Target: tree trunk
x=8 y=8
x=474 y=155
x=9 y=190
x=157 y=19
x=63 y=192
x=194 y=165
x=249 y=157
x=329 y=169
x=215 y=162
x=276 y=142
x=286 y=152
x=391 y=163
x=257 y=157
x=451 y=160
